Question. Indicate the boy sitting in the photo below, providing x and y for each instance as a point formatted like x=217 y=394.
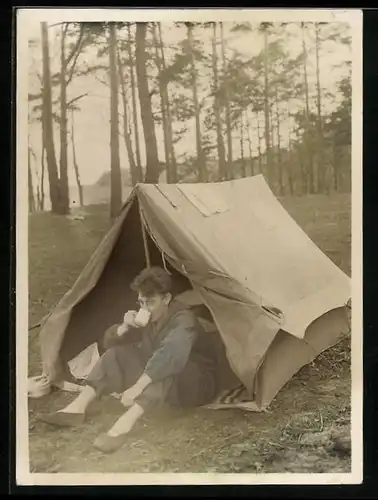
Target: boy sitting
x=150 y=358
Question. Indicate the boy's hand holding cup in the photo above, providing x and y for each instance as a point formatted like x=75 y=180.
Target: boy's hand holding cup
x=142 y=318
x=136 y=319
x=128 y=321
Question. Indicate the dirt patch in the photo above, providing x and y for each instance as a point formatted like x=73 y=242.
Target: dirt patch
x=306 y=429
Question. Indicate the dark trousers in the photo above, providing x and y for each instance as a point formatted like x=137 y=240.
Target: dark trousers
x=121 y=366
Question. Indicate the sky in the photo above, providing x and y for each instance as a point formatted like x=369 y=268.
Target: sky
x=92 y=128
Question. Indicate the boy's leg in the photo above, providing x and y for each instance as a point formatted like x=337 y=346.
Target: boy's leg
x=74 y=413
x=153 y=396
x=125 y=423
x=81 y=403
x=193 y=387
x=118 y=368
x=116 y=436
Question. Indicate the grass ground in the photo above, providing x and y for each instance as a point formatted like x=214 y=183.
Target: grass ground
x=306 y=429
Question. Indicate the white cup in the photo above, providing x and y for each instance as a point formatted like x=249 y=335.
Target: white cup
x=142 y=318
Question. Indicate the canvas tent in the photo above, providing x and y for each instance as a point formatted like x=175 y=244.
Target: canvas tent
x=276 y=299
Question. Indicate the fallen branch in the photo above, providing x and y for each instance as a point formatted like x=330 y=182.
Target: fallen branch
x=277 y=445
x=321 y=423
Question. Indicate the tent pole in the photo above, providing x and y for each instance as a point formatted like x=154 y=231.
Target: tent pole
x=145 y=240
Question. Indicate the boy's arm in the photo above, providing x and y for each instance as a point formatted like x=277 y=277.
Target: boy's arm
x=111 y=338
x=115 y=334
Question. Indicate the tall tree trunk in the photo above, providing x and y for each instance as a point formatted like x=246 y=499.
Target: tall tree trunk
x=281 y=187
x=289 y=163
x=259 y=143
x=289 y=166
x=152 y=159
x=38 y=198
x=37 y=188
x=251 y=169
x=47 y=123
x=320 y=166
x=335 y=166
x=34 y=200
x=272 y=130
x=63 y=163
x=266 y=107
x=273 y=151
x=134 y=104
x=201 y=163
x=163 y=102
x=42 y=187
x=173 y=163
x=242 y=146
x=310 y=169
x=30 y=185
x=302 y=168
x=229 y=173
x=218 y=121
x=115 y=168
x=126 y=128
x=74 y=159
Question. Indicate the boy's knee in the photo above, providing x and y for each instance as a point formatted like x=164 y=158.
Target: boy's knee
x=108 y=355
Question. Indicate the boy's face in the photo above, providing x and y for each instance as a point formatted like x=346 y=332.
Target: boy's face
x=156 y=305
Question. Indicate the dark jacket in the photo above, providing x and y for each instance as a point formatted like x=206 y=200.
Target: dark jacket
x=168 y=345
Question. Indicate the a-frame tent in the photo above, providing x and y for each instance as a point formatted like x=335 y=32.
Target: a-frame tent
x=276 y=299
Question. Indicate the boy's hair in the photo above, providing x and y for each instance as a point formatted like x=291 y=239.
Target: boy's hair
x=152 y=281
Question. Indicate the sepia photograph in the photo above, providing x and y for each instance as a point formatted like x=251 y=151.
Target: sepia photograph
x=188 y=219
